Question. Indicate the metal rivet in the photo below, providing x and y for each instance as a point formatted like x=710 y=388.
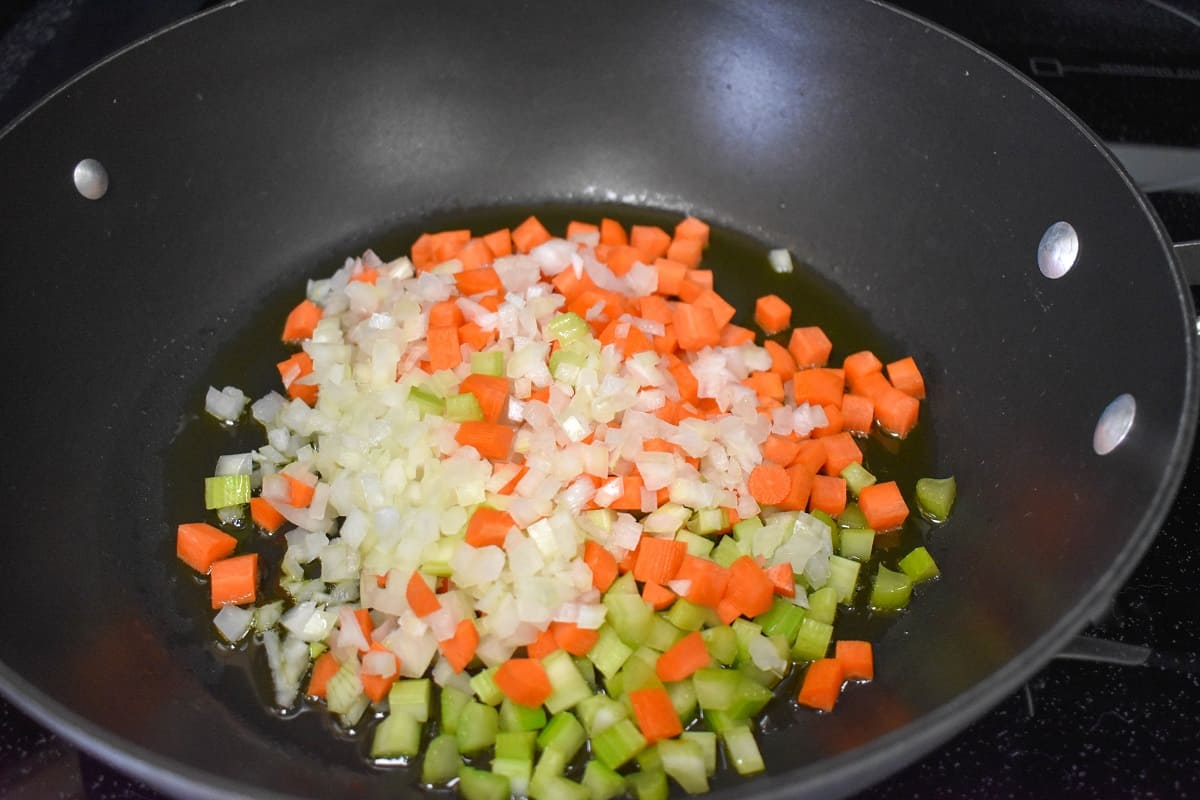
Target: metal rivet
x=1114 y=425
x=91 y=179
x=1058 y=250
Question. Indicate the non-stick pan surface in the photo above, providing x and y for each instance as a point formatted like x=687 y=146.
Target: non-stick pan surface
x=260 y=144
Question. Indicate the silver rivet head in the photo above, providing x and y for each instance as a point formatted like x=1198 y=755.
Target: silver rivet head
x=1114 y=425
x=1058 y=250
x=91 y=179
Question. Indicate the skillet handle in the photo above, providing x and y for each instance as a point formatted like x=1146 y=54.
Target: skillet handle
x=1188 y=255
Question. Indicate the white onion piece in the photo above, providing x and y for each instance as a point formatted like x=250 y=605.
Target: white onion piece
x=226 y=404
x=233 y=622
x=780 y=260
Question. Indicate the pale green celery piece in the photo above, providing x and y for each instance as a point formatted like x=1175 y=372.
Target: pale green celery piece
x=412 y=696
x=650 y=785
x=683 y=698
x=727 y=551
x=463 y=408
x=857 y=478
x=843 y=578
x=485 y=688
x=567 y=685
x=223 y=491
x=722 y=643
x=609 y=653
x=707 y=741
x=852 y=517
x=618 y=743
x=426 y=401
x=602 y=782
x=683 y=761
x=812 y=640
x=563 y=734
x=662 y=634
x=489 y=363
x=479 y=784
x=398 y=735
x=696 y=545
x=441 y=761
x=477 y=727
x=453 y=701
x=857 y=543
x=890 y=590
x=744 y=529
x=686 y=615
x=708 y=520
x=935 y=497
x=742 y=749
x=568 y=327
x=919 y=565
x=822 y=605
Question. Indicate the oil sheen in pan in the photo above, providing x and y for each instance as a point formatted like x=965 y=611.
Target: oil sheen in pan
x=741 y=273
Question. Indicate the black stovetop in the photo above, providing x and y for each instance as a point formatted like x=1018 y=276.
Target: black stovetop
x=1131 y=70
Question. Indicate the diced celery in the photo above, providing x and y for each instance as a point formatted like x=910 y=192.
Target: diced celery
x=683 y=698
x=857 y=478
x=822 y=605
x=707 y=742
x=783 y=619
x=609 y=653
x=662 y=634
x=684 y=762
x=412 y=697
x=630 y=616
x=558 y=787
x=843 y=578
x=857 y=543
x=602 y=782
x=890 y=590
x=708 y=520
x=516 y=744
x=515 y=717
x=721 y=642
x=477 y=727
x=315 y=649
x=742 y=749
x=518 y=771
x=716 y=689
x=638 y=673
x=478 y=784
x=463 y=408
x=745 y=630
x=436 y=561
x=696 y=545
x=743 y=530
x=649 y=759
x=830 y=522
x=398 y=735
x=618 y=743
x=563 y=734
x=344 y=689
x=935 y=497
x=599 y=712
x=625 y=584
x=648 y=785
x=485 y=688
x=587 y=670
x=812 y=640
x=727 y=551
x=567 y=686
x=720 y=721
x=852 y=517
x=549 y=768
x=565 y=365
x=441 y=761
x=919 y=565
x=489 y=363
x=566 y=328
x=223 y=491
x=749 y=698
x=426 y=401
x=453 y=701
x=686 y=615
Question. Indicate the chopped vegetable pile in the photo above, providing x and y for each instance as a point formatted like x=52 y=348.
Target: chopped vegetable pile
x=544 y=502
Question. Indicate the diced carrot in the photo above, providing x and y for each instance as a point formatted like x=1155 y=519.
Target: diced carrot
x=728 y=610
x=523 y=681
x=769 y=484
x=905 y=376
x=575 y=640
x=509 y=487
x=708 y=580
x=612 y=233
x=631 y=494
x=422 y=252
x=860 y=364
x=658 y=559
x=529 y=234
x=491 y=439
x=896 y=411
x=683 y=658
x=772 y=314
x=381 y=580
x=766 y=384
x=446 y=244
x=234 y=580
x=685 y=379
x=735 y=336
x=602 y=563
x=445 y=313
x=858 y=413
x=782 y=579
x=474 y=336
x=828 y=495
x=199 y=545
x=834 y=422
x=750 y=587
x=474 y=256
x=692 y=228
x=840 y=451
x=810 y=454
x=294 y=368
x=499 y=242
x=782 y=362
x=324 y=668
x=721 y=310
x=488 y=526
x=300 y=494
x=654 y=308
x=650 y=240
x=701 y=277
x=799 y=489
x=443 y=343
x=376 y=686
x=570 y=285
x=655 y=714
x=543 y=645
x=365 y=275
x=459 y=649
x=779 y=450
x=695 y=327
x=883 y=506
x=478 y=281
x=576 y=229
x=622 y=257
x=363 y=617
x=421 y=599
x=491 y=391
x=632 y=342
x=822 y=684
x=686 y=251
x=301 y=321
x=657 y=595
x=810 y=347
x=671 y=275
x=265 y=515
x=857 y=659
x=818 y=387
